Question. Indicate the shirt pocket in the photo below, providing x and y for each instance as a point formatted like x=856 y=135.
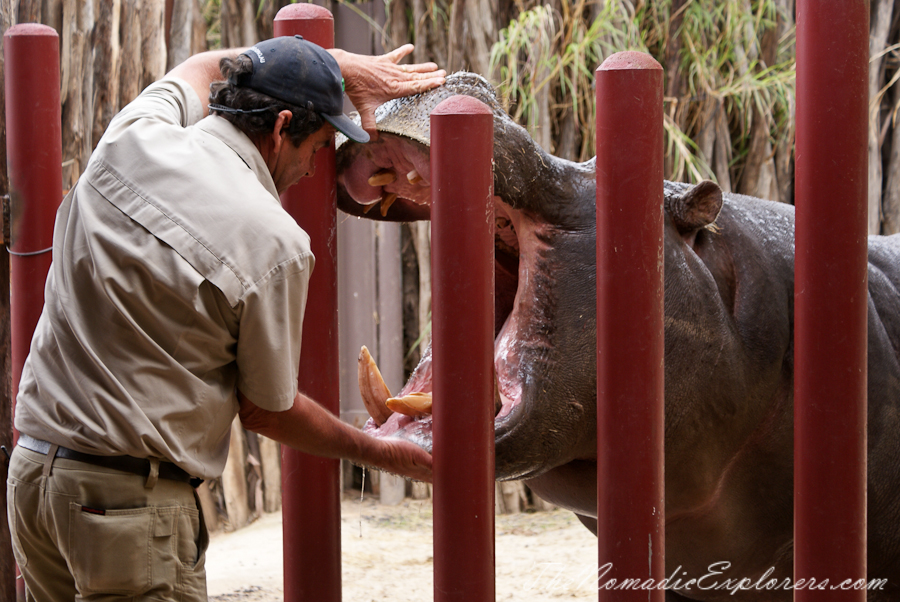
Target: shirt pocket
x=110 y=550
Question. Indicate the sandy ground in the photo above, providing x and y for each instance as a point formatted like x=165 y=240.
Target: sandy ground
x=387 y=556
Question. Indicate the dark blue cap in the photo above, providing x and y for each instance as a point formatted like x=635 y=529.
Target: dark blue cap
x=301 y=73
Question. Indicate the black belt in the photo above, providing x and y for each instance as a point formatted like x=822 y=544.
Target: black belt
x=138 y=466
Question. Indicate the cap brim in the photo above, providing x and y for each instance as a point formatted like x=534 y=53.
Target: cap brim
x=347 y=127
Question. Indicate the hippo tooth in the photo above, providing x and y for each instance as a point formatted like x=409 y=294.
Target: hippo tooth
x=414 y=404
x=386 y=203
x=372 y=388
x=414 y=177
x=368 y=207
x=380 y=178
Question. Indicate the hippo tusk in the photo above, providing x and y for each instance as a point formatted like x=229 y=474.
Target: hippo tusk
x=380 y=178
x=414 y=177
x=386 y=203
x=372 y=388
x=415 y=405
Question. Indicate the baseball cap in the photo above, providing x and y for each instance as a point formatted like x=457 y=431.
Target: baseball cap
x=301 y=73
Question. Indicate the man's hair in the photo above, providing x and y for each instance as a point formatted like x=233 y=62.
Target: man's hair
x=261 y=122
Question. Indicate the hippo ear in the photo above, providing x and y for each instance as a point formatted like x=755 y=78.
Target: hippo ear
x=696 y=208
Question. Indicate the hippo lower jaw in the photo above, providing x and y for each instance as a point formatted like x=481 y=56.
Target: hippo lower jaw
x=521 y=319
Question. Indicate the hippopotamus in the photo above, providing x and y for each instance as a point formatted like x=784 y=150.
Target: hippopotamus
x=729 y=266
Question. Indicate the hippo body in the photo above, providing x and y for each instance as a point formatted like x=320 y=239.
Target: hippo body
x=728 y=349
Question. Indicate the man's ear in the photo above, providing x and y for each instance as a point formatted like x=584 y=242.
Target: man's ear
x=283 y=120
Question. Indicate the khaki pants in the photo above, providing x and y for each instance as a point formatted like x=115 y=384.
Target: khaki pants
x=83 y=532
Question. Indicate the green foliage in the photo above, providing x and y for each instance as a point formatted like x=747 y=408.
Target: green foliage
x=718 y=61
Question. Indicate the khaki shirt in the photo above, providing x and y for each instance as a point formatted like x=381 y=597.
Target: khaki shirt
x=176 y=277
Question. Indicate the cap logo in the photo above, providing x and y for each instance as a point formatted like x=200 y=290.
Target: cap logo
x=262 y=57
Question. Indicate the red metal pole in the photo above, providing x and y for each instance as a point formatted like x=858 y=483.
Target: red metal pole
x=34 y=156
x=311 y=488
x=34 y=161
x=462 y=254
x=830 y=296
x=630 y=390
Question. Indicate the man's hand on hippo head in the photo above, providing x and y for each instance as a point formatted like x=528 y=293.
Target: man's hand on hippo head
x=373 y=80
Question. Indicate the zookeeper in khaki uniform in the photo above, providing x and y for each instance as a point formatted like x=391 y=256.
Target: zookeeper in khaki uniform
x=175 y=301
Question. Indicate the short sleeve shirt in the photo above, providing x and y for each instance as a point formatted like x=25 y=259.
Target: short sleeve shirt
x=177 y=277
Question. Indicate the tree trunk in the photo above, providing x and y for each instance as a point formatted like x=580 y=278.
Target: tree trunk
x=880 y=28
x=675 y=84
x=77 y=89
x=891 y=223
x=208 y=506
x=238 y=23
x=181 y=34
x=784 y=149
x=234 y=479
x=509 y=497
x=758 y=178
x=481 y=29
x=153 y=41
x=569 y=136
x=106 y=66
x=423 y=253
x=270 y=458
x=130 y=68
x=722 y=155
x=456 y=47
x=398 y=28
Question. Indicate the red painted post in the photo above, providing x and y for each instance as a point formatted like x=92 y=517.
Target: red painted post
x=462 y=255
x=630 y=323
x=34 y=158
x=830 y=296
x=311 y=489
x=34 y=161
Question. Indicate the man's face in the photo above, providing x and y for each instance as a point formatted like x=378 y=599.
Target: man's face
x=295 y=162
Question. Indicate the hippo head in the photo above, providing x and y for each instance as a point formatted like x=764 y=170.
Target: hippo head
x=545 y=317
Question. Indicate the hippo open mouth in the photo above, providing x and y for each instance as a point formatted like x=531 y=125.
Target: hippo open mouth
x=389 y=179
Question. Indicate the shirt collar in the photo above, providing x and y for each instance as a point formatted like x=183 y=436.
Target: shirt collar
x=238 y=141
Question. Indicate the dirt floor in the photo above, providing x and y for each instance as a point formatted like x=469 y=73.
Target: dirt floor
x=387 y=556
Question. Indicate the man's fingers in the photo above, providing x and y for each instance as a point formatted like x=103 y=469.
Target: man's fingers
x=417 y=86
x=421 y=68
x=367 y=117
x=397 y=54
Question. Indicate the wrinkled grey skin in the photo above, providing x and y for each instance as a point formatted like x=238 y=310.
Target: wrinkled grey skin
x=728 y=356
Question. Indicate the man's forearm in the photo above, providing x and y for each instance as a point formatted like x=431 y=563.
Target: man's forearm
x=310 y=428
x=202 y=69
x=307 y=427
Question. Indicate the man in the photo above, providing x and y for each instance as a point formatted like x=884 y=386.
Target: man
x=175 y=300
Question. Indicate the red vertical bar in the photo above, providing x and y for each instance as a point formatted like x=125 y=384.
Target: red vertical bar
x=34 y=161
x=830 y=296
x=462 y=255
x=311 y=488
x=630 y=323
x=34 y=156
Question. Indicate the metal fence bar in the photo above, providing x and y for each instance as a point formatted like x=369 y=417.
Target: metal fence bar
x=462 y=247
x=311 y=487
x=830 y=298
x=630 y=392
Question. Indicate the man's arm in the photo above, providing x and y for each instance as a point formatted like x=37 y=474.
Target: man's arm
x=201 y=70
x=369 y=80
x=310 y=428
